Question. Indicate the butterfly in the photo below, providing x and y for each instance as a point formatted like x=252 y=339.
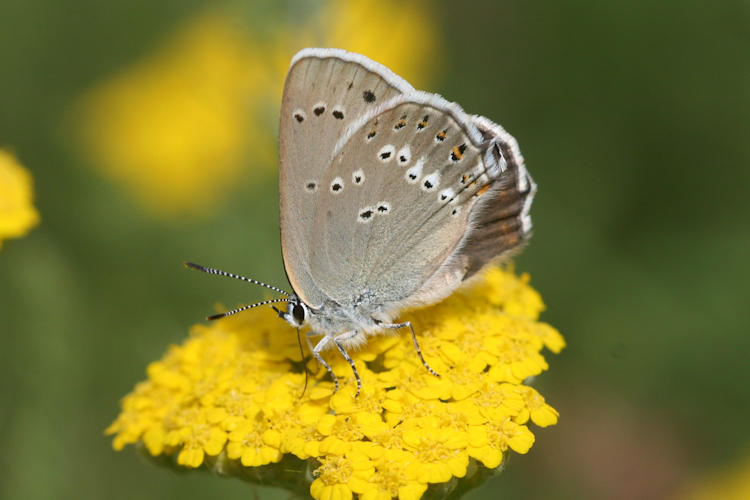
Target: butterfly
x=390 y=199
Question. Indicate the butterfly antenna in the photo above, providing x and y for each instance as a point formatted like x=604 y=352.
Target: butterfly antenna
x=211 y=270
x=245 y=308
x=302 y=353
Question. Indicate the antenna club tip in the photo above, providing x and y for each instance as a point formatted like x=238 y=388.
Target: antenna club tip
x=214 y=316
x=191 y=265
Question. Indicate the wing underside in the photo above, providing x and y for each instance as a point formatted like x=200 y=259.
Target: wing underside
x=388 y=193
x=325 y=91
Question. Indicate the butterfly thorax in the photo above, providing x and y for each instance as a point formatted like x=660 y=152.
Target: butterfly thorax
x=333 y=318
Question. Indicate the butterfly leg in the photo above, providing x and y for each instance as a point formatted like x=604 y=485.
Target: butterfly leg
x=396 y=326
x=337 y=340
x=316 y=352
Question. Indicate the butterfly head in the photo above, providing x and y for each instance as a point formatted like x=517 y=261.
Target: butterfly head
x=296 y=314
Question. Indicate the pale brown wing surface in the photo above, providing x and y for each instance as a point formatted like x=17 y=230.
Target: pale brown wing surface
x=325 y=90
x=422 y=166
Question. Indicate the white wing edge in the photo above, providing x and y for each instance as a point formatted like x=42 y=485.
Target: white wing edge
x=322 y=53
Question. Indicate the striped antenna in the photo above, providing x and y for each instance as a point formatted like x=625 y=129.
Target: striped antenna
x=211 y=270
x=245 y=308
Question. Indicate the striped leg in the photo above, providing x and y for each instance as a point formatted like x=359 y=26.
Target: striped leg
x=396 y=326
x=337 y=340
x=316 y=352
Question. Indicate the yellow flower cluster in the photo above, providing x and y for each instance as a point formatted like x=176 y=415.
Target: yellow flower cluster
x=178 y=127
x=231 y=397
x=17 y=213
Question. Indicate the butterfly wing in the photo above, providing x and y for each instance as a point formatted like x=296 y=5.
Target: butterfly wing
x=399 y=234
x=325 y=91
x=501 y=224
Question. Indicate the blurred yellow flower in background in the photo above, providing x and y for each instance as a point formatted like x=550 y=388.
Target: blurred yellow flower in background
x=230 y=399
x=17 y=212
x=401 y=35
x=175 y=127
x=180 y=126
x=732 y=483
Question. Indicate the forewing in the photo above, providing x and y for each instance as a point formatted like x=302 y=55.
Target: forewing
x=326 y=90
x=422 y=164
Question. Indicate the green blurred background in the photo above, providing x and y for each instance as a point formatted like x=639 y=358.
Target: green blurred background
x=634 y=118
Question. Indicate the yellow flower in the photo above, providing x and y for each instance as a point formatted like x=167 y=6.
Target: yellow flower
x=498 y=437
x=178 y=127
x=441 y=453
x=175 y=127
x=535 y=408
x=395 y=477
x=254 y=442
x=231 y=397
x=17 y=213
x=195 y=437
x=339 y=476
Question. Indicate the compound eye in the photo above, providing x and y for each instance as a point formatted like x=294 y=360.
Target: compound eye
x=298 y=312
